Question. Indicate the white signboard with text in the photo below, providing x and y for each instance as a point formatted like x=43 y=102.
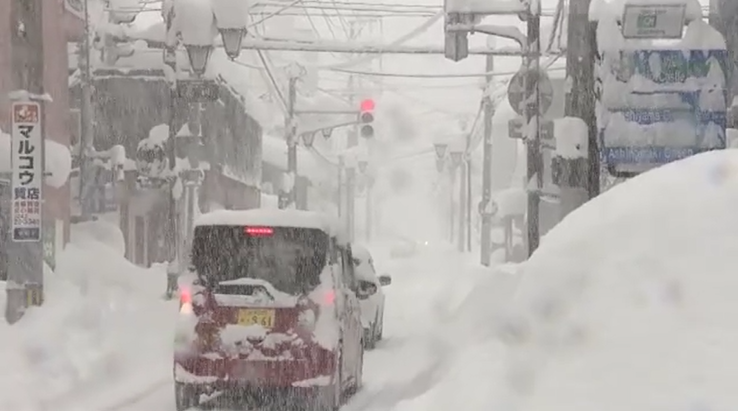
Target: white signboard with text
x=653 y=21
x=27 y=178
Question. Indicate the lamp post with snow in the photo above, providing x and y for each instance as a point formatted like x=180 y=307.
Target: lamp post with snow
x=441 y=149
x=457 y=162
x=192 y=24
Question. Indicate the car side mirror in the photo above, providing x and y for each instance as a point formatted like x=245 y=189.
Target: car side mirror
x=385 y=279
x=366 y=289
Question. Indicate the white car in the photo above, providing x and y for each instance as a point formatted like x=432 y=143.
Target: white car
x=371 y=297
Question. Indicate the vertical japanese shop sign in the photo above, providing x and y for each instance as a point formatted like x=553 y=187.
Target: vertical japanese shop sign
x=27 y=163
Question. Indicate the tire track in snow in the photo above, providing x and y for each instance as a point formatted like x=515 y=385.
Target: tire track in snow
x=139 y=396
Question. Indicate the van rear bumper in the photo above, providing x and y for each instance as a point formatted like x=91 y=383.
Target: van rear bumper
x=231 y=372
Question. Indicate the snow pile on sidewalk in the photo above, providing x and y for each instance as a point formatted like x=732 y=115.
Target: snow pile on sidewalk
x=103 y=323
x=630 y=303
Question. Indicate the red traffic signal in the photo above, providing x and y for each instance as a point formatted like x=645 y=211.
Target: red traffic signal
x=366 y=105
x=366 y=117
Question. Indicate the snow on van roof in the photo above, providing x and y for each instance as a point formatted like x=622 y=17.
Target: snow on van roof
x=271 y=218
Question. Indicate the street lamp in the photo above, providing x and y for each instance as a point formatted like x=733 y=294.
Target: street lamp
x=232 y=39
x=441 y=149
x=457 y=154
x=230 y=18
x=308 y=138
x=199 y=56
x=363 y=165
x=196 y=26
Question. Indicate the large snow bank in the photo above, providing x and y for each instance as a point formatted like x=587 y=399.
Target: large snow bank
x=629 y=302
x=103 y=322
x=58 y=160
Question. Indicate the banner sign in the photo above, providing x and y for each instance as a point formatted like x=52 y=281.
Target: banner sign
x=668 y=105
x=27 y=171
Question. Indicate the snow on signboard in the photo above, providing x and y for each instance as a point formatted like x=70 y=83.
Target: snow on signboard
x=27 y=171
x=660 y=100
x=485 y=6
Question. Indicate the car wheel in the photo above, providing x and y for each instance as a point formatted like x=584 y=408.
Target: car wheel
x=329 y=397
x=379 y=325
x=369 y=340
x=186 y=396
x=359 y=379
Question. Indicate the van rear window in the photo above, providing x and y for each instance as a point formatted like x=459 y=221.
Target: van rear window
x=289 y=258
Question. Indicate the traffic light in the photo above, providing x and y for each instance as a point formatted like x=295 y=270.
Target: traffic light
x=366 y=118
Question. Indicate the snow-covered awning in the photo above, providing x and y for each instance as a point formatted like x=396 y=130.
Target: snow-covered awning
x=58 y=160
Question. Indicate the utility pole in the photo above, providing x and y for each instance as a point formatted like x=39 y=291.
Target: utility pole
x=290 y=200
x=452 y=203
x=462 y=205
x=724 y=18
x=533 y=127
x=351 y=142
x=580 y=102
x=468 y=192
x=26 y=259
x=489 y=112
x=86 y=143
x=172 y=236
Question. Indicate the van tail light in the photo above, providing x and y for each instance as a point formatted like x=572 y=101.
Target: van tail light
x=185 y=301
x=329 y=297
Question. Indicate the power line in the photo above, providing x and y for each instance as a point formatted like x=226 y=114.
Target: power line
x=432 y=76
x=276 y=13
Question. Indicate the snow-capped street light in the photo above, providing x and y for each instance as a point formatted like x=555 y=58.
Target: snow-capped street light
x=441 y=149
x=308 y=138
x=199 y=56
x=195 y=23
x=231 y=21
x=457 y=155
x=232 y=39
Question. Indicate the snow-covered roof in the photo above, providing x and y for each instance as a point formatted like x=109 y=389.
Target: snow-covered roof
x=271 y=218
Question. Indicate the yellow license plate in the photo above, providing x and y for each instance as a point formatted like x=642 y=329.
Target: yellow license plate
x=264 y=318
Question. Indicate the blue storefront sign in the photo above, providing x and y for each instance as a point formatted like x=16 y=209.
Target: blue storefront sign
x=675 y=107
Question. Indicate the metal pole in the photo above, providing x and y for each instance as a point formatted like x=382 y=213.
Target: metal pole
x=462 y=206
x=452 y=183
x=368 y=212
x=86 y=143
x=724 y=18
x=172 y=237
x=533 y=138
x=489 y=112
x=26 y=259
x=291 y=143
x=352 y=141
x=468 y=195
x=339 y=189
x=580 y=100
